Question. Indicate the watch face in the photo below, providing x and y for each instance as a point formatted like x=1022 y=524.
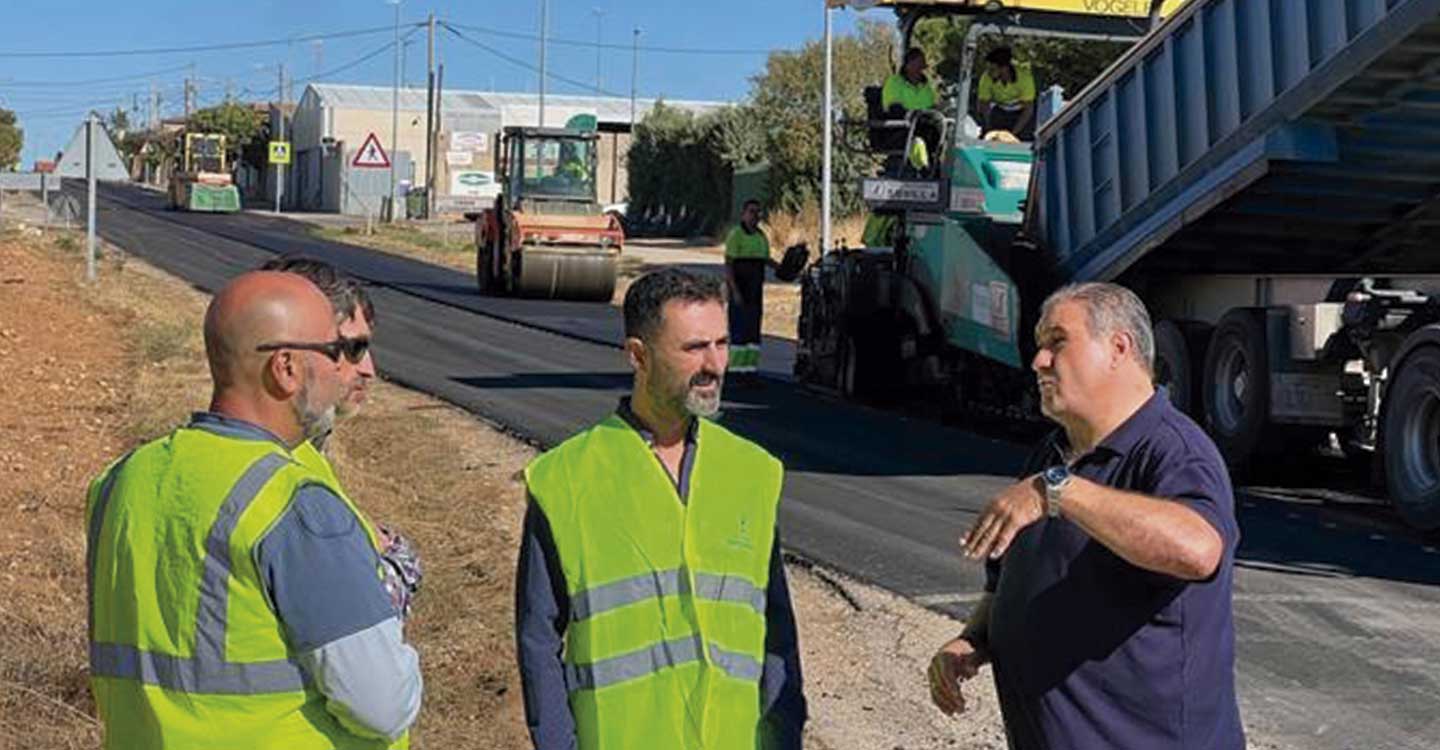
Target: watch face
x=1056 y=474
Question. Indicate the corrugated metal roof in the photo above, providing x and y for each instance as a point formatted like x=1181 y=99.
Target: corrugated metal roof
x=512 y=107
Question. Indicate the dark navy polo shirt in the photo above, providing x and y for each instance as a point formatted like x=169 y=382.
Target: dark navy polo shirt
x=1093 y=652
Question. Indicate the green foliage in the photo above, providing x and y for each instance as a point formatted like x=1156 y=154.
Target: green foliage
x=12 y=139
x=117 y=123
x=238 y=123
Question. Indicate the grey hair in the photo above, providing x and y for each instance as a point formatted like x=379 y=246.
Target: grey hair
x=1110 y=308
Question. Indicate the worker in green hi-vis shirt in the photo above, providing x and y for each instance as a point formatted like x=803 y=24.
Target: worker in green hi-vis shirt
x=747 y=256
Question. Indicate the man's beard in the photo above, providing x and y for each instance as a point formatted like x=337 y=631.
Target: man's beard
x=700 y=405
x=314 y=421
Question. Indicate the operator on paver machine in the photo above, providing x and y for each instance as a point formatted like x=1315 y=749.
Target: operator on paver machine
x=931 y=298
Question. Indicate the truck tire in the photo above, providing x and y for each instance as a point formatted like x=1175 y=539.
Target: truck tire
x=484 y=276
x=1173 y=369
x=1236 y=386
x=1412 y=439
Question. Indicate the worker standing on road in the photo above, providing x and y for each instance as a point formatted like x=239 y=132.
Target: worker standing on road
x=910 y=90
x=235 y=593
x=747 y=258
x=1107 y=609
x=1006 y=95
x=355 y=318
x=652 y=609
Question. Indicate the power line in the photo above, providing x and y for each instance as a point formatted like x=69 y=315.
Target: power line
x=517 y=61
x=204 y=47
x=92 y=81
x=606 y=45
x=358 y=61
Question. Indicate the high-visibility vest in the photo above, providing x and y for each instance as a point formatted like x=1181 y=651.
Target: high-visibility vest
x=910 y=96
x=185 y=649
x=740 y=244
x=667 y=598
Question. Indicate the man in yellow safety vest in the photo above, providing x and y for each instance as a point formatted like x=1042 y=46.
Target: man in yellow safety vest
x=652 y=609
x=236 y=595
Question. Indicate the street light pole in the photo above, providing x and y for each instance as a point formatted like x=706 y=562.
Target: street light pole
x=634 y=75
x=395 y=113
x=544 y=32
x=599 y=19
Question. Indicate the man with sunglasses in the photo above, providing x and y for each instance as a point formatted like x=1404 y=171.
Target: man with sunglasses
x=235 y=591
x=355 y=319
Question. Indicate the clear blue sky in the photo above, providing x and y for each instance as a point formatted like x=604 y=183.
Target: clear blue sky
x=49 y=113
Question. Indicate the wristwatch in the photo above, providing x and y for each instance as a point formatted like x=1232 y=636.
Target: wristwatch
x=1055 y=478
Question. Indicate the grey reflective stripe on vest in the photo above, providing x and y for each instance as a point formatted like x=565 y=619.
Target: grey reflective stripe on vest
x=652 y=659
x=194 y=675
x=721 y=588
x=735 y=664
x=215 y=574
x=662 y=583
x=206 y=671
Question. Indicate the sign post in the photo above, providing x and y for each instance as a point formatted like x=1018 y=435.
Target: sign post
x=279 y=156
x=90 y=194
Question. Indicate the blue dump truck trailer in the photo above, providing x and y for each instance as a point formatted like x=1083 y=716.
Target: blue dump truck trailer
x=1265 y=174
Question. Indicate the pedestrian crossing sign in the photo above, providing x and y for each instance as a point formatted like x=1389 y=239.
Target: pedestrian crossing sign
x=371 y=154
x=279 y=152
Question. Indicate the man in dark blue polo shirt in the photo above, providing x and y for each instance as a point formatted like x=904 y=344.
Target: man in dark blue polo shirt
x=1107 y=613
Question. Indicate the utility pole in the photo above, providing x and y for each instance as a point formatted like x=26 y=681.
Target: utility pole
x=153 y=118
x=829 y=120
x=395 y=113
x=634 y=76
x=599 y=20
x=280 y=131
x=544 y=32
x=430 y=136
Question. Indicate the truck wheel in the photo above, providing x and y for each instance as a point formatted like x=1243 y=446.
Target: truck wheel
x=848 y=369
x=1172 y=364
x=484 y=269
x=1236 y=391
x=1412 y=439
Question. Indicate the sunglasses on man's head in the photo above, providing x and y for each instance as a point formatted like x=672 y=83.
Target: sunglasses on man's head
x=353 y=349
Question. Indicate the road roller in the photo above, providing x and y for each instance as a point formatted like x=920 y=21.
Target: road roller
x=547 y=236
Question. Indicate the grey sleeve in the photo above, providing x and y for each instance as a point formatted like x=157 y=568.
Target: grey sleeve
x=370 y=679
x=320 y=573
x=542 y=612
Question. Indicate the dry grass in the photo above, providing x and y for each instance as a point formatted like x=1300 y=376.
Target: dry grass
x=786 y=229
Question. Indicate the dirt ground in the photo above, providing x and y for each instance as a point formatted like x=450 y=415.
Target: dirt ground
x=451 y=244
x=87 y=371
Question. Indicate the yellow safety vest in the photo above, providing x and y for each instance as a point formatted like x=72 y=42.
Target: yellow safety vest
x=185 y=649
x=667 y=630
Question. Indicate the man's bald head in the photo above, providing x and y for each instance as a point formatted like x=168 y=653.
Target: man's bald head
x=261 y=307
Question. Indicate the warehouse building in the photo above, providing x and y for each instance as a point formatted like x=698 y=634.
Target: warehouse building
x=332 y=125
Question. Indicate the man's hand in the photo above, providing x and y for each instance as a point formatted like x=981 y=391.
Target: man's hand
x=955 y=662
x=1016 y=507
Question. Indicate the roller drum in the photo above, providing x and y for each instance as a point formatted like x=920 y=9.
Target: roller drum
x=570 y=276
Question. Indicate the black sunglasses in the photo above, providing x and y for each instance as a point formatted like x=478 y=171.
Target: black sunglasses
x=353 y=349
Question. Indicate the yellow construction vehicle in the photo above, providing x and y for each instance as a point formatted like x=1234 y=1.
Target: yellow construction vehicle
x=203 y=183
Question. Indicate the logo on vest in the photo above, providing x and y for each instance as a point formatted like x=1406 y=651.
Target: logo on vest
x=741 y=539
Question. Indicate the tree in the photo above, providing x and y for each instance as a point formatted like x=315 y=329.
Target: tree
x=12 y=140
x=237 y=122
x=117 y=123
